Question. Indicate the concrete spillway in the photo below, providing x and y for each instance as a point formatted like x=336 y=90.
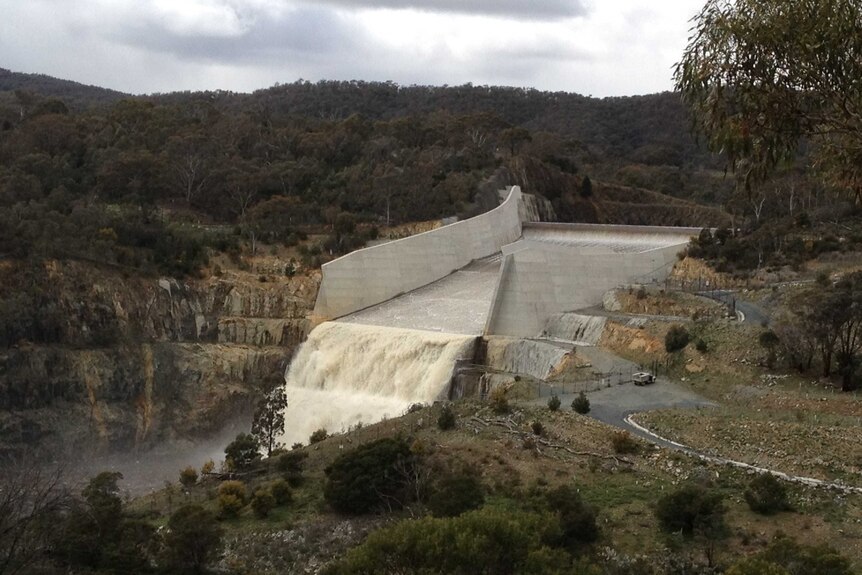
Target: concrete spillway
x=458 y=303
x=346 y=374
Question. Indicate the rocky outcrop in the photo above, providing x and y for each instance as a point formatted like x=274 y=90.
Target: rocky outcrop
x=134 y=362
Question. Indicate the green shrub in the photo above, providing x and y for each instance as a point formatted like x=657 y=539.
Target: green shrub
x=756 y=567
x=537 y=428
x=188 y=476
x=230 y=505
x=766 y=494
x=701 y=346
x=281 y=492
x=691 y=510
x=676 y=339
x=623 y=442
x=482 y=541
x=577 y=519
x=318 y=436
x=581 y=404
x=235 y=488
x=370 y=477
x=290 y=465
x=242 y=451
x=456 y=494
x=805 y=559
x=262 y=503
x=554 y=403
x=447 y=419
x=191 y=540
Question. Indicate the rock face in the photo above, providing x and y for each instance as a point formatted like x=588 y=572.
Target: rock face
x=134 y=361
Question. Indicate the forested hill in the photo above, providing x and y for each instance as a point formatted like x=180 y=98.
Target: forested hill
x=75 y=96
x=131 y=182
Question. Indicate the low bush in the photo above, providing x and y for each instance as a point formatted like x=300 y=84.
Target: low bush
x=554 y=403
x=262 y=503
x=499 y=401
x=447 y=419
x=456 y=494
x=188 y=476
x=235 y=488
x=577 y=519
x=701 y=346
x=537 y=428
x=281 y=492
x=230 y=505
x=243 y=451
x=676 y=339
x=766 y=494
x=691 y=510
x=623 y=442
x=370 y=477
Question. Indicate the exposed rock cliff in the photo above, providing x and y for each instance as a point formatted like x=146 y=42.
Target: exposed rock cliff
x=128 y=362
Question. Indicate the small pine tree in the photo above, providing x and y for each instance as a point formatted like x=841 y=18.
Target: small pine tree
x=581 y=404
x=586 y=187
x=554 y=402
x=537 y=428
x=447 y=418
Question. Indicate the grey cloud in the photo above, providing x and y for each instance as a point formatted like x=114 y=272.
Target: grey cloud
x=306 y=32
x=521 y=9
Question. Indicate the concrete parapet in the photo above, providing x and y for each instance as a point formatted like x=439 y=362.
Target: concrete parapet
x=373 y=275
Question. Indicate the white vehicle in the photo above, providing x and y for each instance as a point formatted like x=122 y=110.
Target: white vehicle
x=643 y=378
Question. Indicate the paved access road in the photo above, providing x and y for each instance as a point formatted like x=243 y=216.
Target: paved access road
x=751 y=313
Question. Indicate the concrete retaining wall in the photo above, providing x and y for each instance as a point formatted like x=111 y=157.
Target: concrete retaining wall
x=539 y=282
x=373 y=275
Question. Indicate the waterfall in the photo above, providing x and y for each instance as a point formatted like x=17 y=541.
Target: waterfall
x=586 y=329
x=347 y=373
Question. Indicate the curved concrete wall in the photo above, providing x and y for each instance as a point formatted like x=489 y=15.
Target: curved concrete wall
x=373 y=275
x=537 y=282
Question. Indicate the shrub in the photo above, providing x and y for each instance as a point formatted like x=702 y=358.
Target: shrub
x=262 y=503
x=242 y=451
x=481 y=541
x=318 y=436
x=676 y=339
x=230 y=505
x=208 y=467
x=447 y=419
x=188 y=476
x=805 y=559
x=281 y=492
x=581 y=404
x=577 y=519
x=537 y=428
x=290 y=465
x=499 y=401
x=689 y=510
x=369 y=477
x=455 y=495
x=235 y=488
x=623 y=442
x=191 y=539
x=766 y=494
x=701 y=346
x=755 y=567
x=554 y=403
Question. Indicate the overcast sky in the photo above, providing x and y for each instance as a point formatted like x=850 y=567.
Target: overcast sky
x=592 y=47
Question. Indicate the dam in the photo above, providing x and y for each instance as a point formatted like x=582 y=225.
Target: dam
x=397 y=317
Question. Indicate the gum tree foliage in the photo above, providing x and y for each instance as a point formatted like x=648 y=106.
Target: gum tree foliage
x=761 y=76
x=268 y=422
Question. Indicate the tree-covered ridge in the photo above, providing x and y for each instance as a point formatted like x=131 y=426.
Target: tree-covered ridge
x=76 y=95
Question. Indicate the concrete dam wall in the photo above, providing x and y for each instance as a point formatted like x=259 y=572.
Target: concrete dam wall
x=373 y=275
x=560 y=268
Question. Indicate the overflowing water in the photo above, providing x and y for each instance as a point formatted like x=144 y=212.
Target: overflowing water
x=583 y=329
x=346 y=374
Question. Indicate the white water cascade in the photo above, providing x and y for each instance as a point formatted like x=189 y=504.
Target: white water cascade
x=347 y=373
